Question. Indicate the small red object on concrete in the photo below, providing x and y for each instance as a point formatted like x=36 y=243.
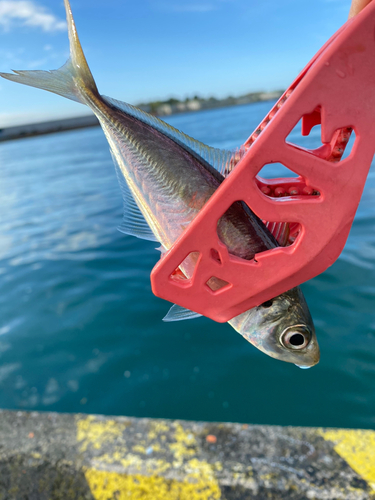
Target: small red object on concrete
x=211 y=438
x=336 y=90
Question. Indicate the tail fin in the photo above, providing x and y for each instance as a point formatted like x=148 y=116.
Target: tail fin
x=73 y=80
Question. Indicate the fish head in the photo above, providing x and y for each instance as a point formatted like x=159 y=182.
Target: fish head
x=282 y=328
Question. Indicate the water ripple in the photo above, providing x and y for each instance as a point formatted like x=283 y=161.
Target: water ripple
x=80 y=328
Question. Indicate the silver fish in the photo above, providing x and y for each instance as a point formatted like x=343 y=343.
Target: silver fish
x=166 y=177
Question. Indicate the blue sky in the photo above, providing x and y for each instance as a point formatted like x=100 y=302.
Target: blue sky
x=141 y=50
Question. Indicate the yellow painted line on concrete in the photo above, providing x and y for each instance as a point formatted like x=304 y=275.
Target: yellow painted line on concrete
x=357 y=448
x=146 y=480
x=92 y=432
x=105 y=485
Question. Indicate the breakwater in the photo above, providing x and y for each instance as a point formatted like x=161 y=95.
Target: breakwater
x=48 y=127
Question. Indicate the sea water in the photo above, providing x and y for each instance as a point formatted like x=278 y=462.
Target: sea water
x=80 y=330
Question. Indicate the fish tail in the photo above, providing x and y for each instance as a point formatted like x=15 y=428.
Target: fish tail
x=73 y=80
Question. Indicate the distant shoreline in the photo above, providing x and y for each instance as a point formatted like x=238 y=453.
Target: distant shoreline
x=158 y=108
x=173 y=106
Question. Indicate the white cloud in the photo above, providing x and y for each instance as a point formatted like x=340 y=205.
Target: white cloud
x=17 y=59
x=37 y=63
x=28 y=13
x=192 y=6
x=11 y=57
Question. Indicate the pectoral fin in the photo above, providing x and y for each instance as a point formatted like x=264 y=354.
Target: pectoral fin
x=178 y=313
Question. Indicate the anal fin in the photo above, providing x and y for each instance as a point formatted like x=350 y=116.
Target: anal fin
x=133 y=222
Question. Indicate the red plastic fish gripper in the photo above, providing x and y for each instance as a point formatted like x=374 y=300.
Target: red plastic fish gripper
x=336 y=89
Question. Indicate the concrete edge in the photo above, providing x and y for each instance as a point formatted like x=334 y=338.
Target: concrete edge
x=75 y=456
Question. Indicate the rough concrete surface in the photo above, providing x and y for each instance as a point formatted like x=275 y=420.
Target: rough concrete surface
x=61 y=456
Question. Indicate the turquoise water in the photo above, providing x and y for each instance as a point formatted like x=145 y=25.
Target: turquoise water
x=81 y=331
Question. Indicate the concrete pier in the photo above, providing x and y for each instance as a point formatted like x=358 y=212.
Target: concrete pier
x=86 y=457
x=49 y=127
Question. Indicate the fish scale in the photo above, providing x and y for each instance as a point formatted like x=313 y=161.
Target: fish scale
x=176 y=187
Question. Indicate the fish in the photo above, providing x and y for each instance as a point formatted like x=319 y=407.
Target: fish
x=166 y=177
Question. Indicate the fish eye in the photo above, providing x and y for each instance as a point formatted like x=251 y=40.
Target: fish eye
x=267 y=304
x=295 y=337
